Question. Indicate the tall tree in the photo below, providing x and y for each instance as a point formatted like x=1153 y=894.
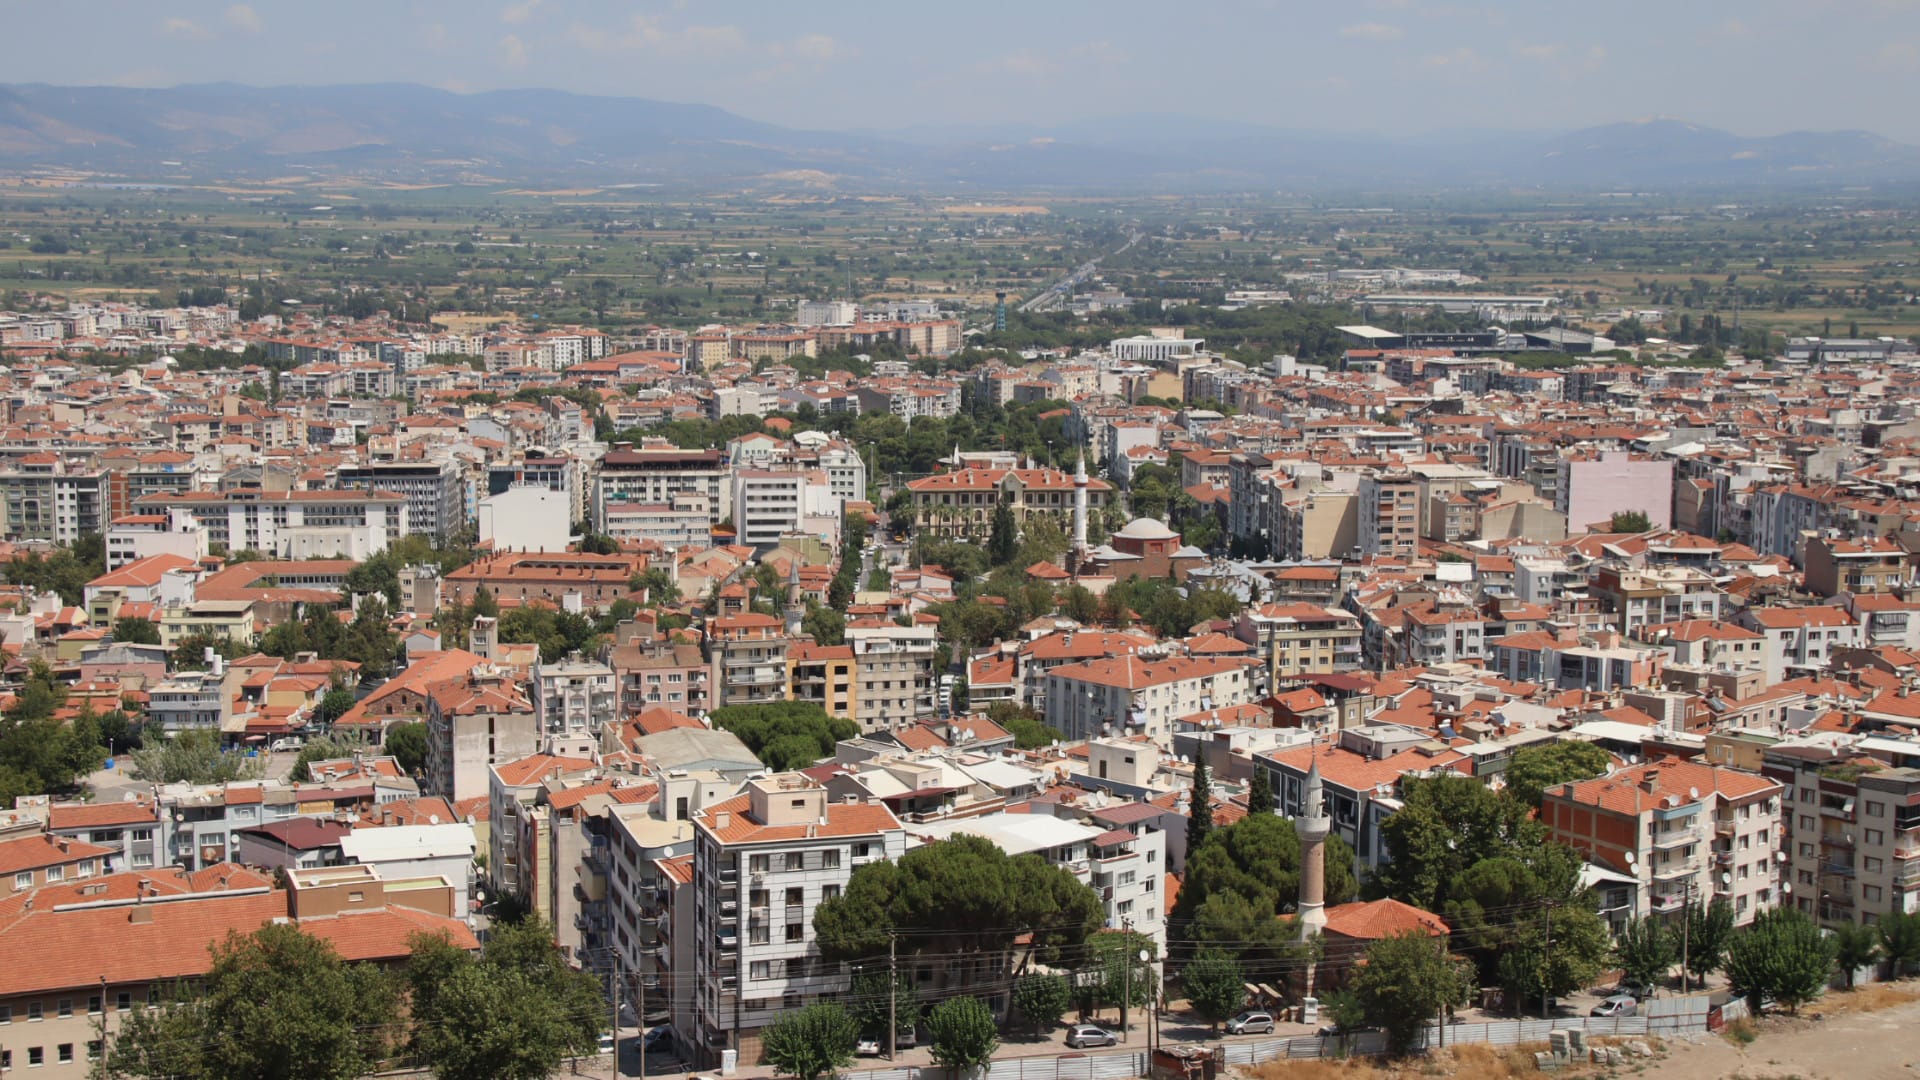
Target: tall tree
x=1003 y=543
x=1854 y=947
x=1446 y=825
x=1899 y=940
x=515 y=1014
x=1780 y=957
x=1199 y=805
x=1535 y=769
x=276 y=1003
x=1042 y=999
x=1216 y=986
x=1260 y=794
x=407 y=744
x=1407 y=980
x=1708 y=934
x=810 y=1042
x=1646 y=951
x=964 y=1035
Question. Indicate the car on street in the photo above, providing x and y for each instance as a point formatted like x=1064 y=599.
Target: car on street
x=867 y=1046
x=1252 y=1022
x=658 y=1039
x=1085 y=1035
x=1618 y=1005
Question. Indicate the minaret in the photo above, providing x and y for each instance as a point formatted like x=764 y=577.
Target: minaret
x=796 y=608
x=1078 y=558
x=1312 y=827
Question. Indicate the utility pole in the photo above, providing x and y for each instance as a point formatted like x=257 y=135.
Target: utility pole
x=1686 y=935
x=1546 y=971
x=1126 y=970
x=893 y=992
x=640 y=1014
x=616 y=1018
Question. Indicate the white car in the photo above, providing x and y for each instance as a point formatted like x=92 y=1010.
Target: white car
x=867 y=1047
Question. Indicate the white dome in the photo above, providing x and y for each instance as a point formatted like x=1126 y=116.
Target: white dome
x=1146 y=529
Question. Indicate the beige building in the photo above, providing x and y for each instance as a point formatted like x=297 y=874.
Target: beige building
x=1853 y=833
x=1318 y=525
x=1299 y=638
x=892 y=674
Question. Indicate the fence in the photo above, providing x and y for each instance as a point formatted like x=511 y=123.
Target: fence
x=1664 y=1016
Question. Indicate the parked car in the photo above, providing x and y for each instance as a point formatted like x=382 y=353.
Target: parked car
x=867 y=1047
x=658 y=1039
x=1618 y=1005
x=291 y=742
x=608 y=1042
x=1084 y=1035
x=1251 y=1023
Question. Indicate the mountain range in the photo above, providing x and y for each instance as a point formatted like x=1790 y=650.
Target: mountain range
x=407 y=132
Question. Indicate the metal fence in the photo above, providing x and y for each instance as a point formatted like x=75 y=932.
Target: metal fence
x=1664 y=1017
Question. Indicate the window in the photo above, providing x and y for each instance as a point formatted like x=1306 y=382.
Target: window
x=6 y=1014
x=36 y=1057
x=93 y=1049
x=23 y=880
x=1876 y=809
x=757 y=864
x=66 y=1006
x=93 y=1005
x=66 y=1053
x=55 y=873
x=830 y=859
x=142 y=835
x=1872 y=865
x=757 y=969
x=34 y=1013
x=796 y=860
x=757 y=935
x=829 y=892
x=123 y=1001
x=795 y=897
x=796 y=931
x=1876 y=837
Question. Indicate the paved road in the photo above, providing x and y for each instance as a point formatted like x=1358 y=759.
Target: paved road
x=1057 y=292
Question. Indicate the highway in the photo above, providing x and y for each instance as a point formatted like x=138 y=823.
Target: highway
x=1057 y=292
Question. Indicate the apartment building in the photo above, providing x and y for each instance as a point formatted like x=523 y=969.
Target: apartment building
x=573 y=699
x=1592 y=487
x=1299 y=638
x=1389 y=515
x=769 y=505
x=653 y=476
x=1800 y=639
x=1640 y=598
x=45 y=499
x=1856 y=567
x=1852 y=832
x=893 y=683
x=684 y=521
x=1138 y=695
x=435 y=492
x=749 y=653
x=473 y=723
x=763 y=861
x=130 y=828
x=1682 y=830
x=289 y=524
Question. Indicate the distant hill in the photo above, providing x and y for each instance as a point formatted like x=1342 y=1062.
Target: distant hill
x=410 y=132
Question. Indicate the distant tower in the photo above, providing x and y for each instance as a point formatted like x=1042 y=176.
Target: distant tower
x=1079 y=555
x=1000 y=312
x=796 y=608
x=1312 y=827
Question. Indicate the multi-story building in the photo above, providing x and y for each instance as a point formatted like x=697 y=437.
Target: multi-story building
x=290 y=524
x=1856 y=567
x=47 y=500
x=573 y=699
x=683 y=522
x=1852 y=832
x=1299 y=638
x=473 y=723
x=652 y=476
x=749 y=652
x=1322 y=524
x=823 y=675
x=769 y=505
x=673 y=676
x=130 y=828
x=518 y=824
x=1666 y=594
x=1683 y=830
x=1136 y=695
x=959 y=505
x=1800 y=639
x=1591 y=488
x=1389 y=515
x=892 y=674
x=435 y=492
x=763 y=861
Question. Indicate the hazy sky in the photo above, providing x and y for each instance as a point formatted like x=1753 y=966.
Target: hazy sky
x=1396 y=66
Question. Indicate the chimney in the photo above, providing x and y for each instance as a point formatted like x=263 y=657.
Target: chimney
x=62 y=844
x=722 y=820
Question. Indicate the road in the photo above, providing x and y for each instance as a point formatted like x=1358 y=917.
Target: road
x=1057 y=292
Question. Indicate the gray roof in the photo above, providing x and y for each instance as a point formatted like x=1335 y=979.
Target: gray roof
x=698 y=748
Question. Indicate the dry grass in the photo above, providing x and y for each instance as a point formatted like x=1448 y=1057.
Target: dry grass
x=1475 y=1060
x=1871 y=998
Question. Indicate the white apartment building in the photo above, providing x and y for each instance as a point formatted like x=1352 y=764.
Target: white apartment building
x=133 y=537
x=685 y=521
x=763 y=861
x=1138 y=695
x=653 y=476
x=573 y=698
x=892 y=674
x=287 y=524
x=768 y=505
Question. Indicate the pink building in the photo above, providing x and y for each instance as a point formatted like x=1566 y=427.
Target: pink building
x=1594 y=487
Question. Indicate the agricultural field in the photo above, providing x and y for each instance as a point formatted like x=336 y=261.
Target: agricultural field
x=1720 y=270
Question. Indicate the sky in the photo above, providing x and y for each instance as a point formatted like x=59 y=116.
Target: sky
x=1396 y=67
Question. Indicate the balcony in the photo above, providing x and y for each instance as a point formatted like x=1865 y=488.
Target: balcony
x=727 y=941
x=1723 y=828
x=1674 y=871
x=1673 y=838
x=1836 y=869
x=1723 y=858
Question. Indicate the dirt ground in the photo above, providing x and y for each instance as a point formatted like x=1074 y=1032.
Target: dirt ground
x=1849 y=1043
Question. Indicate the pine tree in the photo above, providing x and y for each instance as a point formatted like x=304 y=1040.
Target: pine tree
x=1260 y=794
x=1004 y=542
x=1199 y=807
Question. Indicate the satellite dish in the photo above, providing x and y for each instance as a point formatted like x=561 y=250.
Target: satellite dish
x=1780 y=856
x=1786 y=888
x=1693 y=793
x=1726 y=878
x=1633 y=759
x=1630 y=857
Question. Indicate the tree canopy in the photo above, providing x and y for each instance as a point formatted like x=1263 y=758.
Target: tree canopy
x=1535 y=769
x=785 y=734
x=1782 y=958
x=963 y=896
x=810 y=1042
x=1408 y=978
x=512 y=1014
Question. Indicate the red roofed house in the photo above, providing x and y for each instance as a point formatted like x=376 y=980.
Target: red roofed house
x=1353 y=928
x=71 y=967
x=1678 y=826
x=775 y=851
